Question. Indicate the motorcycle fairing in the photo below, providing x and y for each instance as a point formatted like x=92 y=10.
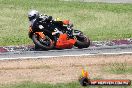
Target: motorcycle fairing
x=66 y=22
x=63 y=42
x=41 y=34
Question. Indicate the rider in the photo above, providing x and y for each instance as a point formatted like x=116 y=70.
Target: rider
x=36 y=21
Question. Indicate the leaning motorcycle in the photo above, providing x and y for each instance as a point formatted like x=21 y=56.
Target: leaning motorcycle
x=60 y=37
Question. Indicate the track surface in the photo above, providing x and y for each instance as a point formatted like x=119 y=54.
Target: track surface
x=105 y=47
x=68 y=52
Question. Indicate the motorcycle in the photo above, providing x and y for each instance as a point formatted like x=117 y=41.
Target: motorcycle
x=48 y=38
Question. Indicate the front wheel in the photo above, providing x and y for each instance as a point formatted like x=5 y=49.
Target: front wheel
x=41 y=43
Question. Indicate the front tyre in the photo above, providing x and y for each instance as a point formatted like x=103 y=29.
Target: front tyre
x=45 y=44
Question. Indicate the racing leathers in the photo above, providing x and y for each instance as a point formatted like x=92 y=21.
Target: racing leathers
x=46 y=23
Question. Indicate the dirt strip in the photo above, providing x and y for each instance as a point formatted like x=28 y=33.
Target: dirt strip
x=60 y=70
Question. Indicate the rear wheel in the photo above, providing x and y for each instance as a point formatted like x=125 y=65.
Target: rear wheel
x=82 y=41
x=41 y=43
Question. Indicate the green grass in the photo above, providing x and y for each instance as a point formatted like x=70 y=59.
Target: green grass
x=68 y=85
x=118 y=68
x=99 y=21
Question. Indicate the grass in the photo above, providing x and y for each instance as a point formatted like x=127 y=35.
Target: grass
x=99 y=21
x=68 y=85
x=118 y=68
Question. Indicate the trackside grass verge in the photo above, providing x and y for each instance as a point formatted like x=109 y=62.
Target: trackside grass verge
x=61 y=85
x=118 y=68
x=99 y=21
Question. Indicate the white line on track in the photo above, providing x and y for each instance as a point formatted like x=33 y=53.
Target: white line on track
x=39 y=57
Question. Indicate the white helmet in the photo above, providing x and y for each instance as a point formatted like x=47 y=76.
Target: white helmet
x=33 y=14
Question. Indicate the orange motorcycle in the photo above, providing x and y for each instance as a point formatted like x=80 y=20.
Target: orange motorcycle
x=62 y=37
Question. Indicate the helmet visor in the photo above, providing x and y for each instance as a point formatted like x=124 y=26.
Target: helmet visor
x=31 y=18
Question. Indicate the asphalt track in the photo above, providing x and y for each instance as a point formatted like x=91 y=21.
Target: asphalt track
x=123 y=49
x=96 y=48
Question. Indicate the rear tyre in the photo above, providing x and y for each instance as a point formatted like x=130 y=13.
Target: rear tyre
x=45 y=44
x=82 y=41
